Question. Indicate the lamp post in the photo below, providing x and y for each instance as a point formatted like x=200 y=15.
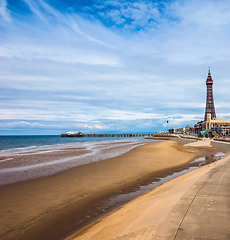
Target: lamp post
x=167 y=124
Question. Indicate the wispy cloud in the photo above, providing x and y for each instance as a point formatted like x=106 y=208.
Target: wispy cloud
x=4 y=12
x=34 y=7
x=22 y=124
x=57 y=37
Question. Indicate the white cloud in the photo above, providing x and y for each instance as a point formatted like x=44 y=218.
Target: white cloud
x=132 y=15
x=200 y=34
x=202 y=13
x=34 y=7
x=62 y=37
x=22 y=124
x=128 y=115
x=90 y=127
x=32 y=49
x=4 y=12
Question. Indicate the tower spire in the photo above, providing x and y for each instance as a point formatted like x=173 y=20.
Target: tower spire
x=209 y=100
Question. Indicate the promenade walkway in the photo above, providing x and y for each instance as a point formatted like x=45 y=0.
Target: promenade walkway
x=207 y=206
x=195 y=206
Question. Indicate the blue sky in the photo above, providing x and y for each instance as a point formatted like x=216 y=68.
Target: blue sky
x=111 y=66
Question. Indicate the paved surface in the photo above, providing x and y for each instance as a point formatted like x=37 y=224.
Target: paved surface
x=200 y=143
x=195 y=206
x=208 y=215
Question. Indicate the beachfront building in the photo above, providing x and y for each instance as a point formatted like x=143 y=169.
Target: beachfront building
x=209 y=134
x=188 y=130
x=198 y=127
x=220 y=126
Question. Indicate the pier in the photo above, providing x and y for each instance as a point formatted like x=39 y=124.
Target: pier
x=125 y=135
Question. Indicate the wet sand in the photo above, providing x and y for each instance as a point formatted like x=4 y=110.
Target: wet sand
x=50 y=207
x=29 y=163
x=192 y=206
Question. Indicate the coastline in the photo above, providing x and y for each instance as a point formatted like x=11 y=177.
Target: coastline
x=49 y=204
x=192 y=206
x=21 y=164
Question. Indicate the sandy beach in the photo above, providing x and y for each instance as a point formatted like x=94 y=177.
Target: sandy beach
x=46 y=208
x=192 y=206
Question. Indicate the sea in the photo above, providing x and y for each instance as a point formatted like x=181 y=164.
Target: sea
x=28 y=157
x=33 y=141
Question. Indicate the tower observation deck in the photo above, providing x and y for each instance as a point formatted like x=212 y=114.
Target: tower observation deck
x=209 y=100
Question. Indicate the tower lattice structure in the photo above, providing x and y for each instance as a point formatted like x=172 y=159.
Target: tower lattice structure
x=209 y=100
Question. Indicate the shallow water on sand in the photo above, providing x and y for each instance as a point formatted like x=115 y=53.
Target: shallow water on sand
x=18 y=164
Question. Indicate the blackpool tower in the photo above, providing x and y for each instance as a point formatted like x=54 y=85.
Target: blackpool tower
x=209 y=100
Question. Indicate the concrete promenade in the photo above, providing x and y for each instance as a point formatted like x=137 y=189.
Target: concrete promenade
x=206 y=206
x=195 y=206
